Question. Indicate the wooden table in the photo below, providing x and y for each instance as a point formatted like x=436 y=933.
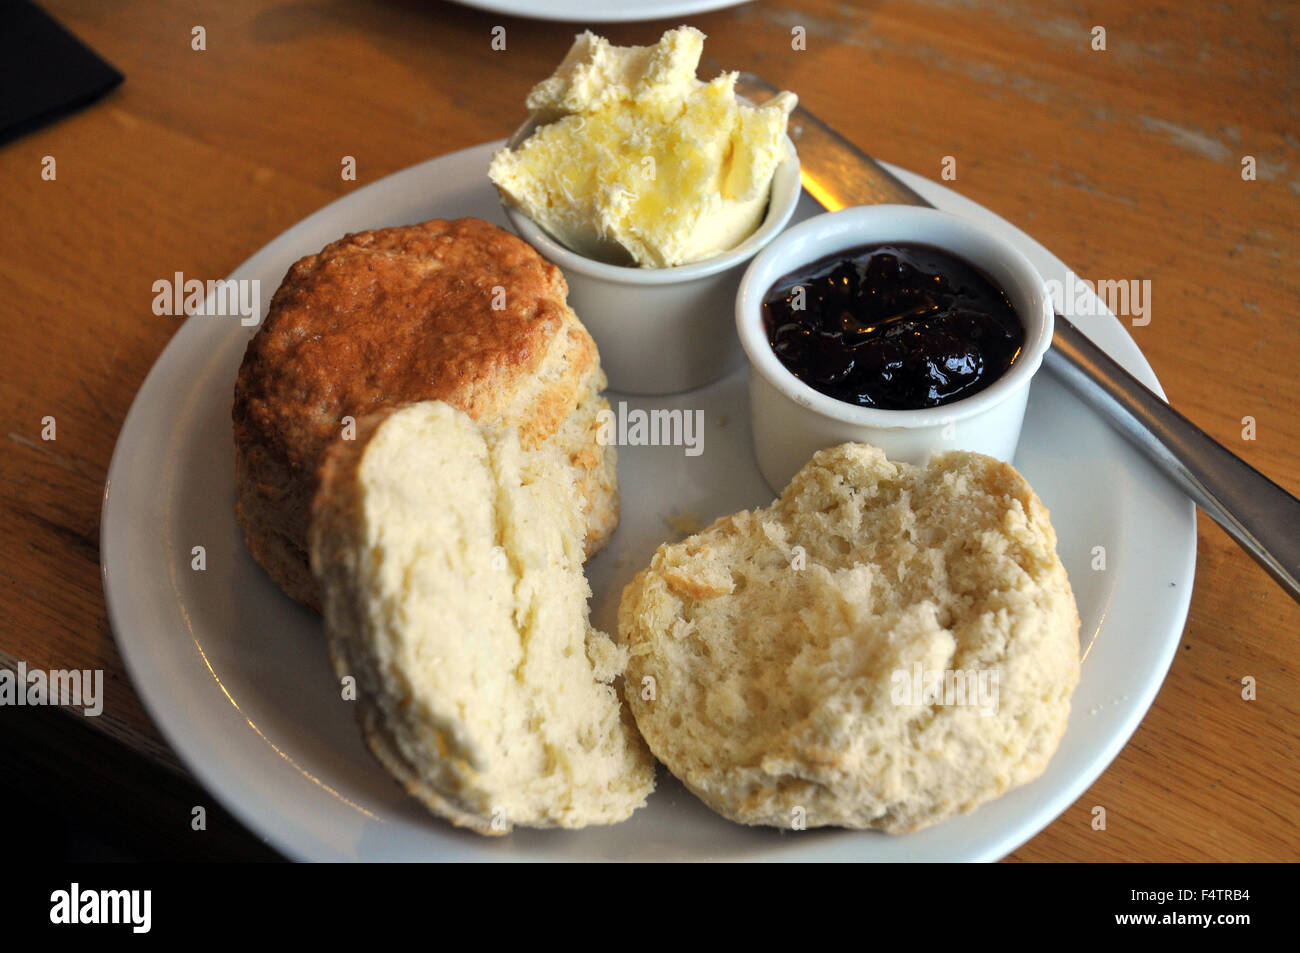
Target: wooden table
x=1126 y=162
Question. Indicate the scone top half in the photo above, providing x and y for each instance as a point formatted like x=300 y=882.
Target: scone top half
x=459 y=311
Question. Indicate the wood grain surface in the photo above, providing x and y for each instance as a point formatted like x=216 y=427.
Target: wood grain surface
x=1127 y=163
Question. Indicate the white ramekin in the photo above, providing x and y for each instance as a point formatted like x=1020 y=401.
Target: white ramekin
x=662 y=330
x=792 y=421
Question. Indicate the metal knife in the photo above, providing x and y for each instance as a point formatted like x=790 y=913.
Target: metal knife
x=1261 y=516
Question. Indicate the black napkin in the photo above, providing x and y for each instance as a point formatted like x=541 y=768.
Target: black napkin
x=45 y=71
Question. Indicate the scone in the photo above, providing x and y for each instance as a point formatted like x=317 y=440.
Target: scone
x=450 y=562
x=460 y=311
x=882 y=647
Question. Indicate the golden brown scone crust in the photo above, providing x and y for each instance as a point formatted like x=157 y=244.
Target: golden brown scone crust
x=460 y=311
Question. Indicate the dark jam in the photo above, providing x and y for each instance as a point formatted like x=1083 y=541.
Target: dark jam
x=896 y=327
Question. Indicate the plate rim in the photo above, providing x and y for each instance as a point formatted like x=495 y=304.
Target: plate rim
x=576 y=13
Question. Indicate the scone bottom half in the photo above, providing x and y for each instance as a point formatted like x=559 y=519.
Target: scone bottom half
x=449 y=558
x=883 y=647
x=454 y=310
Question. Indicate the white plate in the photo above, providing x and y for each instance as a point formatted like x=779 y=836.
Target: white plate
x=235 y=674
x=610 y=11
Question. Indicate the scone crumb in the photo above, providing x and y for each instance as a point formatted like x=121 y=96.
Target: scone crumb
x=607 y=659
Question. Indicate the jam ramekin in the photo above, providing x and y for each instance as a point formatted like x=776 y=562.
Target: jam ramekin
x=792 y=421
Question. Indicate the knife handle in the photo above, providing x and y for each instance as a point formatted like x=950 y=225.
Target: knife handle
x=1263 y=518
